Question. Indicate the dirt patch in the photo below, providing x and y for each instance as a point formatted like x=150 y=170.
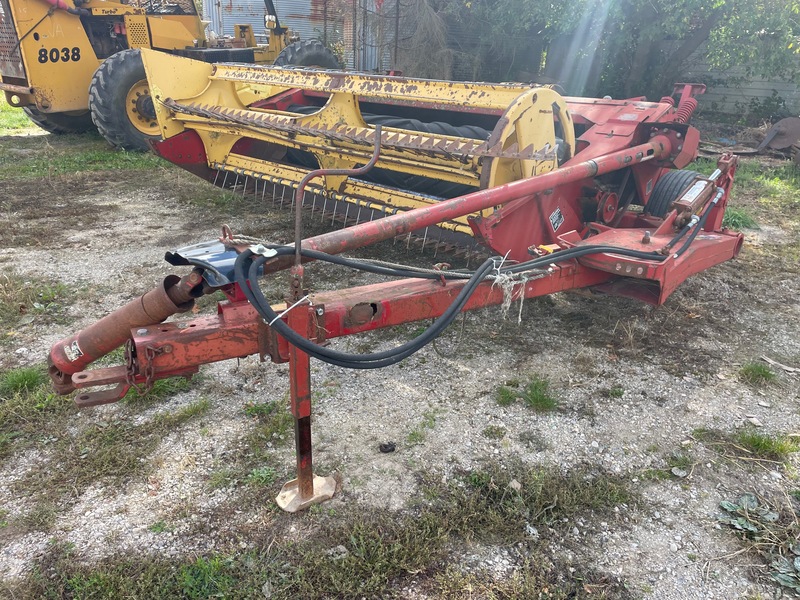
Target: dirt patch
x=632 y=383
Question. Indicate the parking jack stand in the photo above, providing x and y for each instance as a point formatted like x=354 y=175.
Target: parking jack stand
x=308 y=489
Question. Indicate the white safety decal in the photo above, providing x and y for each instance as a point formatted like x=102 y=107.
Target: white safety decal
x=73 y=351
x=556 y=219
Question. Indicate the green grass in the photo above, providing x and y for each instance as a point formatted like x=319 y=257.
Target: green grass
x=533 y=580
x=756 y=374
x=767 y=194
x=360 y=552
x=29 y=410
x=261 y=410
x=222 y=478
x=107 y=452
x=748 y=444
x=254 y=462
x=678 y=464
x=655 y=474
x=159 y=527
x=262 y=476
x=162 y=389
x=72 y=154
x=12 y=120
x=417 y=435
x=163 y=422
x=616 y=392
x=25 y=300
x=42 y=517
x=679 y=460
x=23 y=380
x=768 y=447
x=534 y=394
x=738 y=219
x=506 y=396
x=494 y=432
x=274 y=420
x=774 y=187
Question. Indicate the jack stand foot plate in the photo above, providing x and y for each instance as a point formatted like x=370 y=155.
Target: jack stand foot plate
x=289 y=498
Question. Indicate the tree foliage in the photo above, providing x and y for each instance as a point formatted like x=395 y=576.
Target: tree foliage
x=623 y=47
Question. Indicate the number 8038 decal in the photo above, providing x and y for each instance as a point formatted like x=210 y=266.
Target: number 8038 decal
x=55 y=55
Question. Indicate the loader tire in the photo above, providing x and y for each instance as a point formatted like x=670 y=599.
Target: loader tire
x=667 y=190
x=61 y=123
x=308 y=53
x=120 y=102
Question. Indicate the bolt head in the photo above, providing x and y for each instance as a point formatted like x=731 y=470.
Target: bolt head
x=320 y=311
x=141 y=331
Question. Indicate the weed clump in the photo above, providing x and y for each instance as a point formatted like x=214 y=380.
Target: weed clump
x=615 y=392
x=162 y=389
x=262 y=476
x=768 y=447
x=506 y=396
x=748 y=444
x=494 y=432
x=769 y=531
x=738 y=219
x=534 y=394
x=28 y=407
x=756 y=374
x=23 y=380
x=417 y=435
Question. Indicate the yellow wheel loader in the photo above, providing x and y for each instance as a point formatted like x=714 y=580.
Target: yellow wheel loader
x=72 y=65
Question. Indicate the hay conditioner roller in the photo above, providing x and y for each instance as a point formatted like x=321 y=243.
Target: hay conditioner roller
x=561 y=193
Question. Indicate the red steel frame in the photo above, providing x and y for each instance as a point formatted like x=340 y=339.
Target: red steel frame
x=179 y=348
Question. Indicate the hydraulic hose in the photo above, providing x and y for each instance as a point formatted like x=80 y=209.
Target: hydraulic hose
x=247 y=267
x=353 y=361
x=701 y=223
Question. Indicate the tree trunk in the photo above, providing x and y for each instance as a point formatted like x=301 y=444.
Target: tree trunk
x=674 y=63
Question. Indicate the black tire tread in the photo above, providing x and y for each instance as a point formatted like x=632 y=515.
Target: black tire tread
x=121 y=69
x=60 y=123
x=667 y=189
x=308 y=53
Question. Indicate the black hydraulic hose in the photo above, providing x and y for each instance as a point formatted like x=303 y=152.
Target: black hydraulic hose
x=577 y=252
x=356 y=361
x=700 y=224
x=681 y=233
x=541 y=261
x=246 y=271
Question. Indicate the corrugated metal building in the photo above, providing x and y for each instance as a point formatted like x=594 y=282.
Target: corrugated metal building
x=363 y=29
x=753 y=93
x=302 y=16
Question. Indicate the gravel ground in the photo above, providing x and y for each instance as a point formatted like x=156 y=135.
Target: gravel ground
x=676 y=367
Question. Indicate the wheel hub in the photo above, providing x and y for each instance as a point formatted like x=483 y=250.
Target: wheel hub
x=140 y=108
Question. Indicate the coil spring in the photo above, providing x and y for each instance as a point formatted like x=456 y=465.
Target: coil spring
x=685 y=110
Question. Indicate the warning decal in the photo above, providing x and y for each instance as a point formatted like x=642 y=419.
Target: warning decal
x=556 y=219
x=73 y=351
